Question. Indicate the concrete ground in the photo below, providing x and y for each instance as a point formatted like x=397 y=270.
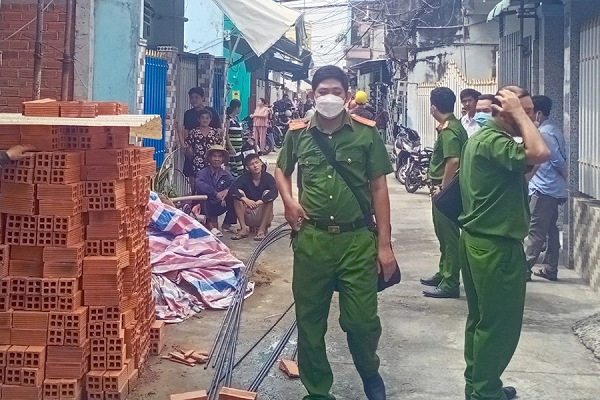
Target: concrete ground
x=422 y=342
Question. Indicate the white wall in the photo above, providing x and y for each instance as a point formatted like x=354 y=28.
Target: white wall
x=204 y=29
x=475 y=56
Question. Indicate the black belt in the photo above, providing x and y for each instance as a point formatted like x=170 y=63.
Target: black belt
x=331 y=227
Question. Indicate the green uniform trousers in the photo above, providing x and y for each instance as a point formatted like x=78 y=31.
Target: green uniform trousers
x=323 y=263
x=494 y=278
x=448 y=234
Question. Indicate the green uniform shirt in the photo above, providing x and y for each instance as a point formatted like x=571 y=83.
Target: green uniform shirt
x=450 y=141
x=493 y=185
x=325 y=195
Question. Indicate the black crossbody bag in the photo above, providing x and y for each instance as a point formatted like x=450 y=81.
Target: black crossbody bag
x=329 y=154
x=449 y=201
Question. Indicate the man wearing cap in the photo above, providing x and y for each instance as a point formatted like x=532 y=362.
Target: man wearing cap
x=361 y=100
x=214 y=181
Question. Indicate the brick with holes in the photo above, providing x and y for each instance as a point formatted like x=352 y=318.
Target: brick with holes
x=45 y=223
x=34 y=357
x=65 y=176
x=12 y=376
x=50 y=303
x=42 y=176
x=74 y=337
x=15 y=356
x=72 y=303
x=28 y=238
x=70 y=388
x=56 y=337
x=98 y=361
x=32 y=376
x=52 y=389
x=33 y=303
x=67 y=287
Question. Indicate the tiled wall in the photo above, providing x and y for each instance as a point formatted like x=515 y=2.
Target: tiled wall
x=586 y=239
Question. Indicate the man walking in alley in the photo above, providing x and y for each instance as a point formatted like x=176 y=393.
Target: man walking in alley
x=547 y=189
x=444 y=163
x=334 y=245
x=495 y=219
x=468 y=99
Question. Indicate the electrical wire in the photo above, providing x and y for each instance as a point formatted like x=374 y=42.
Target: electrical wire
x=27 y=24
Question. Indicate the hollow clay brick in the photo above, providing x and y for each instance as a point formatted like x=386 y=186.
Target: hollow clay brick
x=52 y=388
x=29 y=320
x=236 y=394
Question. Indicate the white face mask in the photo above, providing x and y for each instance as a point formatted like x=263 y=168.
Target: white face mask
x=329 y=106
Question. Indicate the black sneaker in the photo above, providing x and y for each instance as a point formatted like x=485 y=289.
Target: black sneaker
x=510 y=392
x=374 y=387
x=433 y=281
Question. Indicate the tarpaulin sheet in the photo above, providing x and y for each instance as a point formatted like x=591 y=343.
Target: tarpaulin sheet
x=192 y=269
x=261 y=22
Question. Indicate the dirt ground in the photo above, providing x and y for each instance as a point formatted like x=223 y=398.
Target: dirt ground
x=422 y=342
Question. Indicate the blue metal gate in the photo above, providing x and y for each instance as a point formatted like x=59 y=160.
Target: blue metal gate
x=155 y=101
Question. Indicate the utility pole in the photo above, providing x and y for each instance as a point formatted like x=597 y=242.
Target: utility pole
x=68 y=54
x=37 y=57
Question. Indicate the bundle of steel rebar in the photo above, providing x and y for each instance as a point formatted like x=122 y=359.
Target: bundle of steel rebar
x=275 y=354
x=222 y=353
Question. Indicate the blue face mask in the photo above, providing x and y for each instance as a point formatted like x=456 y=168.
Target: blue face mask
x=482 y=117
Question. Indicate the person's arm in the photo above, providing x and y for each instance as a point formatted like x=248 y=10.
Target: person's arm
x=15 y=153
x=204 y=185
x=381 y=206
x=270 y=193
x=536 y=150
x=531 y=174
x=4 y=158
x=450 y=169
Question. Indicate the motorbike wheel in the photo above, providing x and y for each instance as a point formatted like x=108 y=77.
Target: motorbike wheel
x=401 y=172
x=277 y=137
x=413 y=180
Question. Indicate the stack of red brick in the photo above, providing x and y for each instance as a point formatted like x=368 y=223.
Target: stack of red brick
x=76 y=306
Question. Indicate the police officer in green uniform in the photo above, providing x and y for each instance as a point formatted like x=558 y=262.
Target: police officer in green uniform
x=333 y=248
x=444 y=163
x=496 y=220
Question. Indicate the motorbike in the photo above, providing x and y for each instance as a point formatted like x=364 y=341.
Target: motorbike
x=417 y=170
x=248 y=126
x=280 y=125
x=407 y=141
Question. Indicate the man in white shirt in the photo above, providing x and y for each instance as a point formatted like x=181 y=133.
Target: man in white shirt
x=468 y=99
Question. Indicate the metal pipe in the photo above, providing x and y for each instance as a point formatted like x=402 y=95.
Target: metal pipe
x=263 y=337
x=274 y=356
x=37 y=56
x=522 y=43
x=67 y=63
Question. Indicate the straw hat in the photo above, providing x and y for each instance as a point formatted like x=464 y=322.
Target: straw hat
x=218 y=147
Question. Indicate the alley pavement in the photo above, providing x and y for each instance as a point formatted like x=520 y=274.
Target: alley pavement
x=421 y=347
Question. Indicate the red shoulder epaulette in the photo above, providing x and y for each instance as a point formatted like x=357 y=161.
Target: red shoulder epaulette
x=297 y=124
x=363 y=120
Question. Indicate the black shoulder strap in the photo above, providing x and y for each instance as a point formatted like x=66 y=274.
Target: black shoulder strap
x=329 y=154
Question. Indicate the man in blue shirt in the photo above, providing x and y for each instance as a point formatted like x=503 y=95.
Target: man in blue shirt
x=547 y=189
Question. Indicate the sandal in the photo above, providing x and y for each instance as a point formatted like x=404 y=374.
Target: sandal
x=216 y=232
x=542 y=274
x=239 y=236
x=260 y=237
x=228 y=228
